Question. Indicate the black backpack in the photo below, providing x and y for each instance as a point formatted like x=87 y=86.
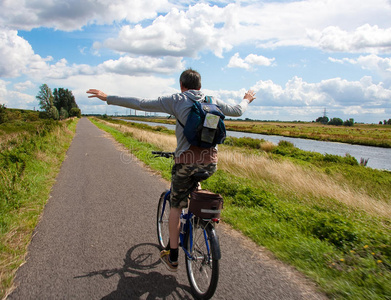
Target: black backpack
x=205 y=124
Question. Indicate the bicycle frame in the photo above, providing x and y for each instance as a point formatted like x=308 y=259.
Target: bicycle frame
x=188 y=229
x=197 y=238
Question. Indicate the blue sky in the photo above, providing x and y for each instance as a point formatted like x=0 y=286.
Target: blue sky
x=301 y=57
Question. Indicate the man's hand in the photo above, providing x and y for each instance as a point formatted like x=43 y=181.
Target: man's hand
x=97 y=94
x=250 y=96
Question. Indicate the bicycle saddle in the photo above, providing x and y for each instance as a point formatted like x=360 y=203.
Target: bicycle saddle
x=199 y=176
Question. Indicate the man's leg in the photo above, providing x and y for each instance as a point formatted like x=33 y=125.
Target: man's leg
x=170 y=257
x=174 y=227
x=180 y=182
x=173 y=224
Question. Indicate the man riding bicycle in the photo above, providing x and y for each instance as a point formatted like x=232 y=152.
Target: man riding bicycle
x=188 y=159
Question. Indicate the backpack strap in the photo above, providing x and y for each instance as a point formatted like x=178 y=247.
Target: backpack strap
x=180 y=123
x=207 y=99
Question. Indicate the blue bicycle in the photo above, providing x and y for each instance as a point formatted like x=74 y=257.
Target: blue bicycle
x=198 y=237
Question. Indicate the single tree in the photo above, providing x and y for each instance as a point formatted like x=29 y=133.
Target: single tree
x=45 y=98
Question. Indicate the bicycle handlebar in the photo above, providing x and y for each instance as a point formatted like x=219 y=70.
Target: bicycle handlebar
x=163 y=154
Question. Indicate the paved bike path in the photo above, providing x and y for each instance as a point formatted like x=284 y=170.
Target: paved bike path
x=97 y=238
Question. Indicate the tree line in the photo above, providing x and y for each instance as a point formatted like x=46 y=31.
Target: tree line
x=385 y=122
x=335 y=121
x=58 y=105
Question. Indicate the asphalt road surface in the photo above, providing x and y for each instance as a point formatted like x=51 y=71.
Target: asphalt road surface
x=97 y=238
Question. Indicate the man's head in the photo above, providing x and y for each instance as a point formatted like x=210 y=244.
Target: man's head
x=190 y=80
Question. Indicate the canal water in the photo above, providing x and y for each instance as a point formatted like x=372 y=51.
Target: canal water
x=378 y=158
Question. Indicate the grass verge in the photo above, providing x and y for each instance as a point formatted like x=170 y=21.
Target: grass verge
x=337 y=244
x=31 y=157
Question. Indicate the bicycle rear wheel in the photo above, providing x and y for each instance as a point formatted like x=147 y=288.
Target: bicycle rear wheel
x=202 y=267
x=163 y=213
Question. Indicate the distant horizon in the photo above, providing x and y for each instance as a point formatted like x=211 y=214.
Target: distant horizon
x=165 y=116
x=300 y=56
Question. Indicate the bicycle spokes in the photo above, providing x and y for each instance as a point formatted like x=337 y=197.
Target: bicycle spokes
x=202 y=267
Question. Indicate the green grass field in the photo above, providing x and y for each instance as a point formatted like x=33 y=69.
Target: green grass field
x=338 y=244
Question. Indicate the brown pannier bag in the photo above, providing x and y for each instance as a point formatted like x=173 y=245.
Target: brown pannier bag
x=205 y=204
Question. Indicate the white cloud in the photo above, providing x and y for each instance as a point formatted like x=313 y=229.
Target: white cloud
x=74 y=14
x=15 y=99
x=201 y=27
x=334 y=92
x=22 y=86
x=365 y=38
x=143 y=65
x=249 y=62
x=375 y=63
x=3 y=92
x=295 y=93
x=228 y=96
x=372 y=62
x=59 y=70
x=116 y=84
x=185 y=29
x=178 y=33
x=17 y=56
x=126 y=65
x=237 y=62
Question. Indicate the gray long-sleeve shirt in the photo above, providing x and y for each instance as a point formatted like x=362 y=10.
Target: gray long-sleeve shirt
x=178 y=105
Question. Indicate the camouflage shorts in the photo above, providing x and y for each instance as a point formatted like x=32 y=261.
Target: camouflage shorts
x=182 y=184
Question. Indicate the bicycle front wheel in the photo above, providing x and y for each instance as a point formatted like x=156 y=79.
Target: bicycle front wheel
x=163 y=213
x=202 y=266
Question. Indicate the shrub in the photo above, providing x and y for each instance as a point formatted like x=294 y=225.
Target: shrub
x=336 y=121
x=268 y=146
x=14 y=115
x=63 y=113
x=31 y=116
x=243 y=142
x=53 y=113
x=75 y=112
x=285 y=144
x=335 y=230
x=349 y=122
x=348 y=159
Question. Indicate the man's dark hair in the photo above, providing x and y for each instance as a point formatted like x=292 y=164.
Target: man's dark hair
x=191 y=79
